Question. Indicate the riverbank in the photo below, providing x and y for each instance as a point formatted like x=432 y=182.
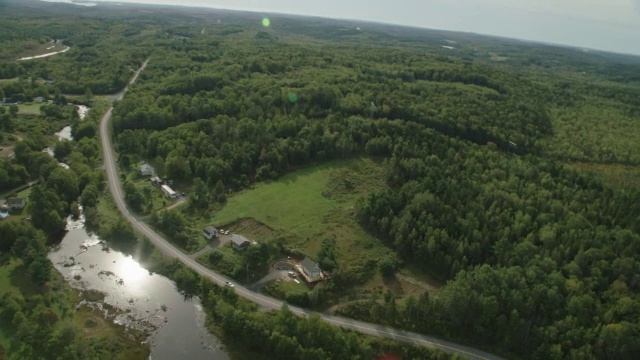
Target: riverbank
x=135 y=297
x=61 y=317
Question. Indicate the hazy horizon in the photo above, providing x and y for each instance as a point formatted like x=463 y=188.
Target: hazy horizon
x=613 y=25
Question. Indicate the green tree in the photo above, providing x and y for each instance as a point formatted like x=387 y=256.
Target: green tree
x=199 y=194
x=88 y=94
x=46 y=210
x=13 y=110
x=133 y=196
x=62 y=149
x=219 y=192
x=65 y=183
x=40 y=270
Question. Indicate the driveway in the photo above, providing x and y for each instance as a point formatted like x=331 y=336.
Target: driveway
x=271 y=276
x=212 y=245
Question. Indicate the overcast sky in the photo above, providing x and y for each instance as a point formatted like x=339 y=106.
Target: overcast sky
x=600 y=24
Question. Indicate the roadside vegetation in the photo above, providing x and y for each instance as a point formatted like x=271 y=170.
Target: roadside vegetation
x=504 y=171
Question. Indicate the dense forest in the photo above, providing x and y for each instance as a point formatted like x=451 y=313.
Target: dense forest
x=539 y=259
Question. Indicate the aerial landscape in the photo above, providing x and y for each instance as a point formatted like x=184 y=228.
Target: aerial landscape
x=181 y=182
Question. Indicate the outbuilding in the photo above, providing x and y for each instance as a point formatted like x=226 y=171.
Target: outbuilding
x=168 y=192
x=239 y=242
x=210 y=232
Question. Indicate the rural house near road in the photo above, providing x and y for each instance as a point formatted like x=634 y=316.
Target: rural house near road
x=310 y=270
x=15 y=203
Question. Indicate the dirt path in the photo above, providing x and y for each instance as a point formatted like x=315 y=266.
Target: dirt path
x=430 y=288
x=212 y=245
x=176 y=204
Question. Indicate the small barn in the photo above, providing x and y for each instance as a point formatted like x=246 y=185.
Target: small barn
x=210 y=232
x=239 y=242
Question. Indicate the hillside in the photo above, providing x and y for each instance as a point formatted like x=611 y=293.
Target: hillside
x=502 y=169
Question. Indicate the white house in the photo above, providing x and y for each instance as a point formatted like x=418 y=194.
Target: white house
x=310 y=270
x=168 y=192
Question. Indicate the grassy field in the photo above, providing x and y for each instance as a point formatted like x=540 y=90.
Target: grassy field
x=29 y=109
x=41 y=49
x=600 y=131
x=615 y=175
x=107 y=209
x=228 y=263
x=312 y=204
x=291 y=286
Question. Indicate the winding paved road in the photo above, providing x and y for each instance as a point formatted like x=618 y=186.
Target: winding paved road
x=270 y=303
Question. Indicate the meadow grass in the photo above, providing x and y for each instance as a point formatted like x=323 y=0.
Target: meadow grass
x=292 y=286
x=312 y=204
x=614 y=175
x=29 y=109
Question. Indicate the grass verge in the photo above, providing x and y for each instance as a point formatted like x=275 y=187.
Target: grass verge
x=29 y=109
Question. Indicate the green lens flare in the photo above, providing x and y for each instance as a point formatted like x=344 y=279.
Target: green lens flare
x=266 y=22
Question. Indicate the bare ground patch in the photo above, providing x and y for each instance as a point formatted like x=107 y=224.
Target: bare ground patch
x=251 y=229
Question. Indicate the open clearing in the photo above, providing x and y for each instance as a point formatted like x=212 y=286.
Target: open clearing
x=615 y=175
x=29 y=109
x=310 y=205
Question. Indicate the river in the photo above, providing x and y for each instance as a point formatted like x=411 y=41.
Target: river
x=146 y=301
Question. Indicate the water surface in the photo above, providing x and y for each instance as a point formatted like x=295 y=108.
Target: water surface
x=145 y=301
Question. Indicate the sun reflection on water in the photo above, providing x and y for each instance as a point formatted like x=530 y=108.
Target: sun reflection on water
x=131 y=271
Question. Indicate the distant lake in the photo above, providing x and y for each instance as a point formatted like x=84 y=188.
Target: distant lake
x=72 y=2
